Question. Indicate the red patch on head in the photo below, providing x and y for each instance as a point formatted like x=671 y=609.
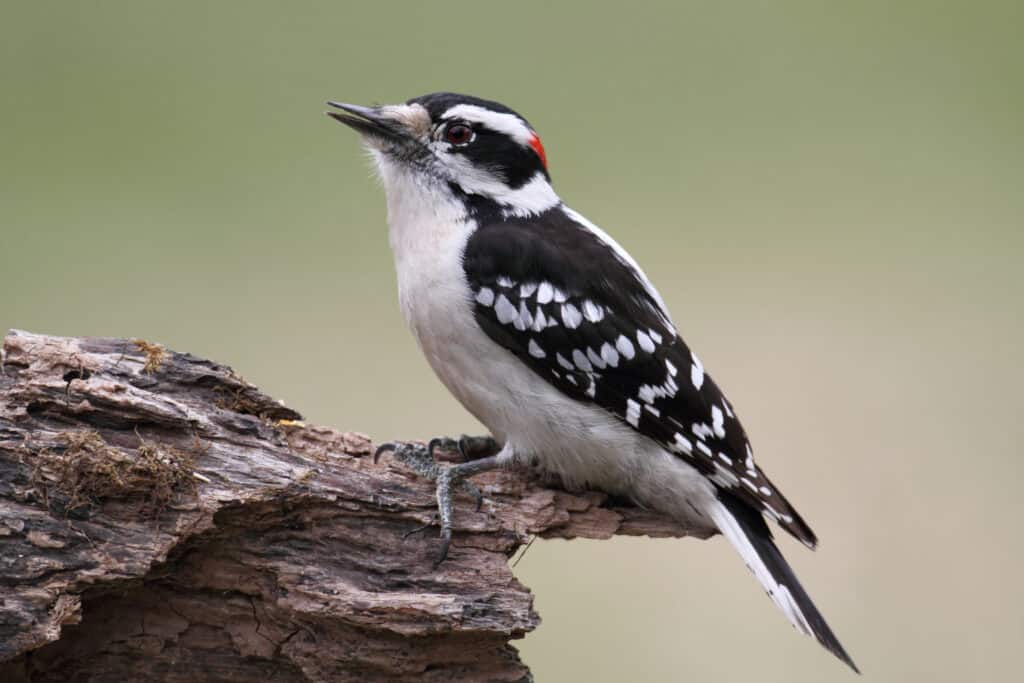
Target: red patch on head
x=539 y=149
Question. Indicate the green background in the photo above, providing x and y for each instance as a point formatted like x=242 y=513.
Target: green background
x=829 y=195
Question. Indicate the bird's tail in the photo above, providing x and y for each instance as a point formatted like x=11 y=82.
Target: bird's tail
x=749 y=534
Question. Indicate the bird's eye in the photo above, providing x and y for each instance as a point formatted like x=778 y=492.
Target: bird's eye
x=459 y=134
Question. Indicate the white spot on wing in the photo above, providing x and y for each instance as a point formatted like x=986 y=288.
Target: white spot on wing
x=595 y=359
x=696 y=371
x=527 y=289
x=632 y=412
x=523 y=319
x=682 y=444
x=592 y=311
x=506 y=281
x=534 y=348
x=545 y=293
x=563 y=362
x=610 y=355
x=485 y=297
x=571 y=316
x=539 y=320
x=625 y=347
x=581 y=361
x=505 y=311
x=718 y=422
x=645 y=341
x=625 y=258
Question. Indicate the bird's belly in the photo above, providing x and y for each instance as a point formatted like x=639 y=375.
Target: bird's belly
x=581 y=445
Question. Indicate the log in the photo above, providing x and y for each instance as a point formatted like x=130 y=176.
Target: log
x=163 y=519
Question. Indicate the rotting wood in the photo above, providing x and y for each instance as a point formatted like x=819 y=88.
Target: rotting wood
x=162 y=519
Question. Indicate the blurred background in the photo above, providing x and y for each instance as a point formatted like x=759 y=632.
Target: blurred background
x=828 y=195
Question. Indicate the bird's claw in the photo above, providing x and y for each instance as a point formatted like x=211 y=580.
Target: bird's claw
x=467 y=447
x=422 y=527
x=421 y=459
x=444 y=443
x=388 y=447
x=446 y=542
x=476 y=447
x=470 y=488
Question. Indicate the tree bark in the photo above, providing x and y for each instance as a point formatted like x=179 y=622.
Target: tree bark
x=162 y=519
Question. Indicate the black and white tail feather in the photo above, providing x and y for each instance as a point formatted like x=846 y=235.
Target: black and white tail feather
x=748 y=533
x=492 y=263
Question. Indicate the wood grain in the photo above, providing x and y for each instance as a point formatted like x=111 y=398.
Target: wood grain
x=163 y=519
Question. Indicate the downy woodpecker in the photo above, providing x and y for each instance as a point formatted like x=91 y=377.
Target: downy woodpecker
x=548 y=332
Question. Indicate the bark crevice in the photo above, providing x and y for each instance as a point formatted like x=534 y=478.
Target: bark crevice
x=163 y=519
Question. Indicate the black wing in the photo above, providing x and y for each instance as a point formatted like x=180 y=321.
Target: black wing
x=575 y=309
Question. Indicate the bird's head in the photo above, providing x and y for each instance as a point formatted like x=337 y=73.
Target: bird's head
x=481 y=152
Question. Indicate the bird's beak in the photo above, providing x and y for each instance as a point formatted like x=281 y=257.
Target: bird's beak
x=369 y=121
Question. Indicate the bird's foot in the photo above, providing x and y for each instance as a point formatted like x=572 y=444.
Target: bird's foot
x=420 y=459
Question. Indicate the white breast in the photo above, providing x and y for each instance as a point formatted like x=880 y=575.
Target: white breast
x=581 y=444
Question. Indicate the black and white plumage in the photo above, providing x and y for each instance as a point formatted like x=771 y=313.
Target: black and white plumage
x=556 y=294
x=555 y=339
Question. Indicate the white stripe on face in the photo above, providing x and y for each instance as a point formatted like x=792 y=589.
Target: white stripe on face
x=508 y=124
x=533 y=197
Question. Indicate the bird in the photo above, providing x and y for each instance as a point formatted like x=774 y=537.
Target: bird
x=548 y=332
